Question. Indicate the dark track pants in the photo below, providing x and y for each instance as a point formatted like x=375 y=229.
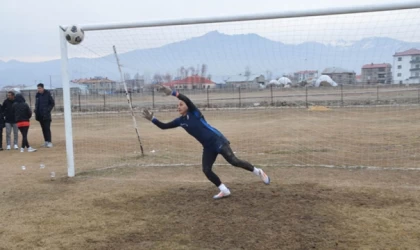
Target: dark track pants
x=209 y=157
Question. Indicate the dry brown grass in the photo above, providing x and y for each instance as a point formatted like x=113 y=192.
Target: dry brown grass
x=170 y=207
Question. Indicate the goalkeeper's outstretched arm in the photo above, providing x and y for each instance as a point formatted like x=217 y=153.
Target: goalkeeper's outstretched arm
x=149 y=116
x=173 y=124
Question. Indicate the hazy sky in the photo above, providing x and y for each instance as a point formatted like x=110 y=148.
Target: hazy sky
x=29 y=29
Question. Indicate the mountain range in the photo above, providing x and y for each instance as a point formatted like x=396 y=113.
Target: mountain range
x=224 y=55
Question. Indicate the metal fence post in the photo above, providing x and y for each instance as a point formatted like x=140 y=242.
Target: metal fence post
x=239 y=92
x=80 y=106
x=271 y=93
x=153 y=98
x=208 y=100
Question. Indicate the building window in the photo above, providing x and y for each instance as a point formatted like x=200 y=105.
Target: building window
x=417 y=74
x=399 y=59
x=399 y=67
x=399 y=74
x=417 y=66
x=381 y=69
x=381 y=75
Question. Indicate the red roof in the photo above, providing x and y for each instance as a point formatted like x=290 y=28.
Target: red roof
x=375 y=66
x=306 y=72
x=190 y=80
x=409 y=52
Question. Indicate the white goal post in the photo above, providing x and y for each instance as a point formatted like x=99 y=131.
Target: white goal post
x=253 y=17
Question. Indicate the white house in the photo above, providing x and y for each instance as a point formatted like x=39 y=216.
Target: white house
x=251 y=81
x=406 y=67
x=305 y=74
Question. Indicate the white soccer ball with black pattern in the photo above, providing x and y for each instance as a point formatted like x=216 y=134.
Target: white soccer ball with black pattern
x=74 y=34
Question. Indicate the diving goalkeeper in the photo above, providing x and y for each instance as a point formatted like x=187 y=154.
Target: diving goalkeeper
x=214 y=143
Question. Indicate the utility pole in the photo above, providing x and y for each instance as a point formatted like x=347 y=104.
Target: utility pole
x=50 y=83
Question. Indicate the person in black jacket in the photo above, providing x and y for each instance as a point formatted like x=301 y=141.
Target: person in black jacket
x=1 y=127
x=23 y=114
x=10 y=121
x=43 y=106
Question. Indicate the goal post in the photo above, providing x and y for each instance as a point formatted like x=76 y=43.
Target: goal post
x=96 y=119
x=67 y=105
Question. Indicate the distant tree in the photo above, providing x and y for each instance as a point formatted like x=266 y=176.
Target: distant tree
x=137 y=76
x=157 y=78
x=167 y=77
x=203 y=69
x=192 y=69
x=247 y=72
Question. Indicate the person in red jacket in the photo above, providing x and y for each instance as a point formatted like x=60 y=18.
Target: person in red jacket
x=23 y=114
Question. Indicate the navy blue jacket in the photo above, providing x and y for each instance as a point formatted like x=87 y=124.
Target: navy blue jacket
x=43 y=106
x=195 y=124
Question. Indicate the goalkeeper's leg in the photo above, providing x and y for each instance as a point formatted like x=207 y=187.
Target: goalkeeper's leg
x=209 y=157
x=227 y=153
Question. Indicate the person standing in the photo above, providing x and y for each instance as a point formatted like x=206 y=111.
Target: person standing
x=10 y=121
x=43 y=106
x=1 y=127
x=23 y=114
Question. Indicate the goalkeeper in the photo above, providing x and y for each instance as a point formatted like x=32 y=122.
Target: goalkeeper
x=214 y=143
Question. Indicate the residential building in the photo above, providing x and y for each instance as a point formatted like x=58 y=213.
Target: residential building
x=99 y=85
x=304 y=75
x=340 y=75
x=250 y=82
x=376 y=73
x=134 y=85
x=406 y=67
x=192 y=82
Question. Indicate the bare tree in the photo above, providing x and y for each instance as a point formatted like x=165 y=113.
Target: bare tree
x=167 y=77
x=182 y=70
x=157 y=78
x=247 y=72
x=203 y=69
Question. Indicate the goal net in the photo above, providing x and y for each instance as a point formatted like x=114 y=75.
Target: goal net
x=326 y=90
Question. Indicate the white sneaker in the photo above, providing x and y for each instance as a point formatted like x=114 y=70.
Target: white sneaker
x=264 y=177
x=49 y=145
x=22 y=150
x=222 y=194
x=44 y=145
x=8 y=147
x=30 y=150
x=16 y=147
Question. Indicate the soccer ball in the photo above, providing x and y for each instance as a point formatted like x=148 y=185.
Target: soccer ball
x=74 y=34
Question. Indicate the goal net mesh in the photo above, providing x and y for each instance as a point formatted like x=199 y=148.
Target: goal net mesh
x=338 y=90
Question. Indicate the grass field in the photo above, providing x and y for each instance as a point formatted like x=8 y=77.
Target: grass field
x=119 y=200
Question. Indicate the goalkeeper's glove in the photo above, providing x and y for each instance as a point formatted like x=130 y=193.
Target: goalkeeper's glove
x=147 y=114
x=165 y=89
